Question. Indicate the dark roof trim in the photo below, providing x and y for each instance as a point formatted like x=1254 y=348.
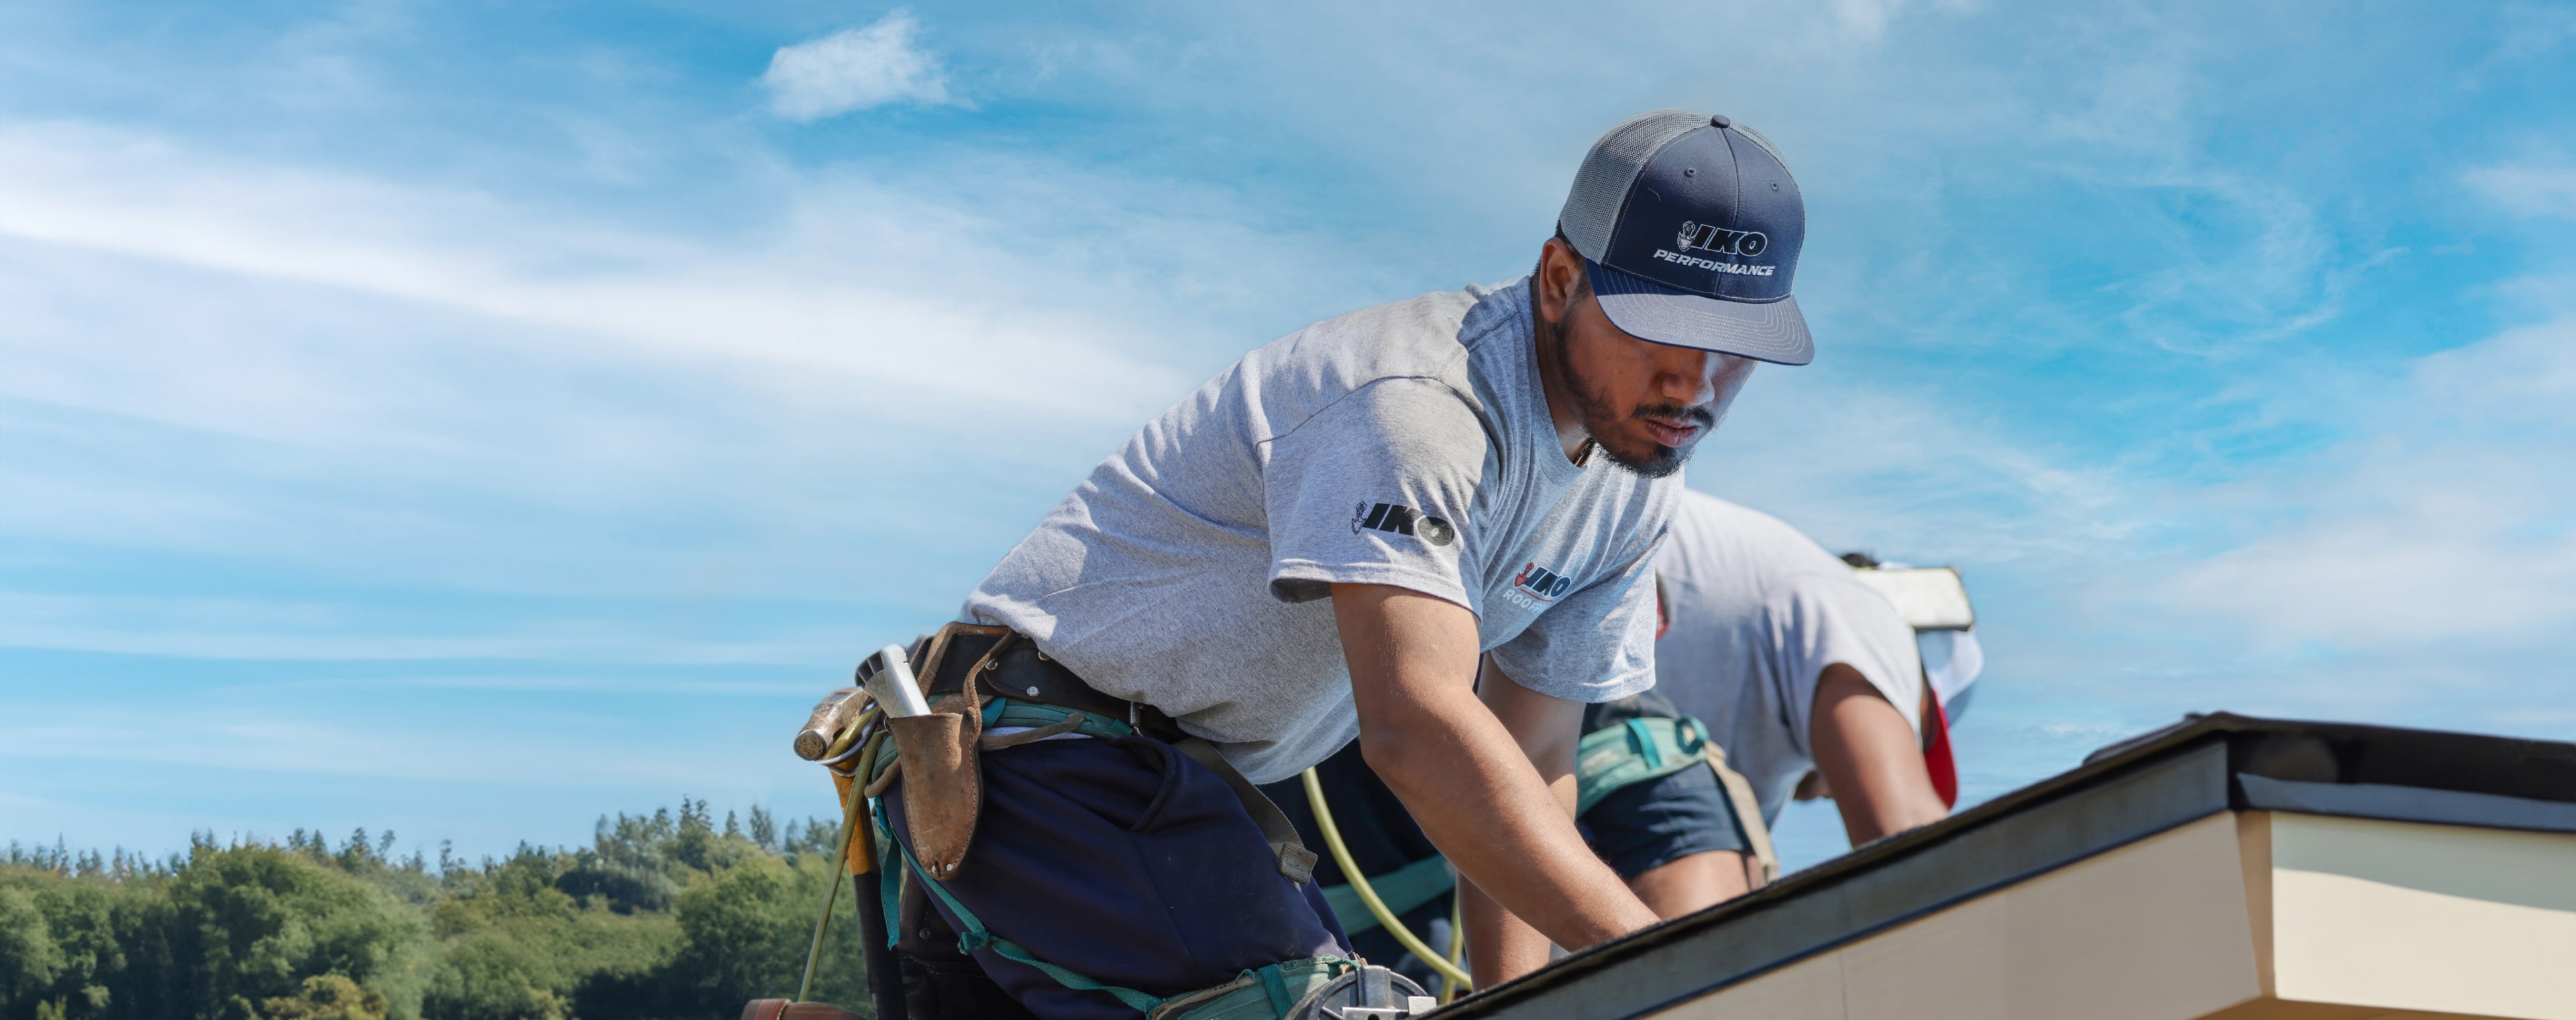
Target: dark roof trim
x=2123 y=793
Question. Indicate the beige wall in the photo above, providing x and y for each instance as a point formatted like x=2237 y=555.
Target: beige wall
x=2157 y=930
x=2234 y=917
x=2429 y=917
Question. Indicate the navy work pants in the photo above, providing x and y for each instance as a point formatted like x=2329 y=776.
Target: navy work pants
x=1128 y=863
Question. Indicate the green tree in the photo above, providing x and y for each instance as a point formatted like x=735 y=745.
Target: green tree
x=29 y=958
x=251 y=923
x=326 y=997
x=665 y=916
x=517 y=947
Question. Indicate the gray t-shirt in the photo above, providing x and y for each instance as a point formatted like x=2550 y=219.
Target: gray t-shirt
x=1758 y=611
x=1407 y=444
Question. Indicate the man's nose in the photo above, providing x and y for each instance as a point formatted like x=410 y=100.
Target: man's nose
x=1691 y=378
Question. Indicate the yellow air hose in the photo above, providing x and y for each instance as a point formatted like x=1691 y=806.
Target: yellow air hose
x=1449 y=971
x=1449 y=986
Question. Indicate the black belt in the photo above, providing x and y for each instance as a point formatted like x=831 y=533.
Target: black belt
x=1024 y=673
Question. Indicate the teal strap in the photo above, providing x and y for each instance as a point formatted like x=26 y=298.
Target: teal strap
x=1275 y=985
x=1265 y=994
x=1402 y=890
x=889 y=883
x=1007 y=712
x=1647 y=745
x=1614 y=758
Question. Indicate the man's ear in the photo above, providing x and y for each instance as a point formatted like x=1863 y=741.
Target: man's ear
x=1559 y=274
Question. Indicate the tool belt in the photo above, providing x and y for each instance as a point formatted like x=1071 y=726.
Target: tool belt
x=978 y=679
x=1644 y=748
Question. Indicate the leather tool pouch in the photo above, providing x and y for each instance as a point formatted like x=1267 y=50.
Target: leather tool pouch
x=943 y=790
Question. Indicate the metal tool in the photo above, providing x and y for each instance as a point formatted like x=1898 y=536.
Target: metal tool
x=887 y=677
x=1366 y=993
x=830 y=716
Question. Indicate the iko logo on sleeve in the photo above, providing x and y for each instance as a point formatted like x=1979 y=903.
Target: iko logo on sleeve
x=1539 y=584
x=1401 y=520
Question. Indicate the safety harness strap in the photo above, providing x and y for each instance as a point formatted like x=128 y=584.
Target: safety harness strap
x=1748 y=814
x=1295 y=861
x=1614 y=758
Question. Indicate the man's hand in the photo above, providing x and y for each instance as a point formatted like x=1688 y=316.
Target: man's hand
x=1870 y=758
x=1490 y=780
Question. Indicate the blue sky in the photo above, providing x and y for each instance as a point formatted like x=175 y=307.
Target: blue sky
x=471 y=419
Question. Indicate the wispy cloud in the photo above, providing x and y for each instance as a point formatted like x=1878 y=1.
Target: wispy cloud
x=2529 y=189
x=854 y=69
x=2449 y=522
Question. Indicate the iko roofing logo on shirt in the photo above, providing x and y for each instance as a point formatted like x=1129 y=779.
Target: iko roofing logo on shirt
x=1401 y=520
x=1541 y=584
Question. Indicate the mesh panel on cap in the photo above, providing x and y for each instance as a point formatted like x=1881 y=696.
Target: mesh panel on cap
x=1602 y=183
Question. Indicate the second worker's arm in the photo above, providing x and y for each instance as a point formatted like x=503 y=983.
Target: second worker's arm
x=1870 y=757
x=1492 y=785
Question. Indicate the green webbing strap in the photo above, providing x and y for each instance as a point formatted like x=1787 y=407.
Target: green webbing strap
x=1401 y=890
x=1643 y=734
x=889 y=883
x=1275 y=985
x=1614 y=758
x=977 y=937
x=1007 y=712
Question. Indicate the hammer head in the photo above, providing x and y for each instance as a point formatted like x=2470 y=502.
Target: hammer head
x=825 y=722
x=887 y=677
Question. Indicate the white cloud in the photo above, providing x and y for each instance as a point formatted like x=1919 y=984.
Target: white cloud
x=2529 y=189
x=854 y=69
x=2452 y=519
x=794 y=299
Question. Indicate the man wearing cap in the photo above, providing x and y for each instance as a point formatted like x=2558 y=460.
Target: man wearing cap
x=1428 y=525
x=1809 y=681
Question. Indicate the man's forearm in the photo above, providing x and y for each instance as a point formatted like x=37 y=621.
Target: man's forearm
x=1465 y=777
x=1501 y=945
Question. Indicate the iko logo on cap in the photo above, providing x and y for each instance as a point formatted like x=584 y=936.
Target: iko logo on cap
x=1706 y=237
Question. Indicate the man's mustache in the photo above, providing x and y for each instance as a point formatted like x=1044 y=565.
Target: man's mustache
x=1700 y=416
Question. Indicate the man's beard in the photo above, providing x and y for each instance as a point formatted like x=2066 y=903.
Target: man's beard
x=1656 y=460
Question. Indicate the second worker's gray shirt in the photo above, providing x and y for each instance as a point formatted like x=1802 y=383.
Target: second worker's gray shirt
x=1758 y=611
x=1409 y=445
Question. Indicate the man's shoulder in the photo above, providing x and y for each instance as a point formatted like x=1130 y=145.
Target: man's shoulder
x=1418 y=335
x=1417 y=339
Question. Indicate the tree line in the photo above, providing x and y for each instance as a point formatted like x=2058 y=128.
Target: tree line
x=663 y=916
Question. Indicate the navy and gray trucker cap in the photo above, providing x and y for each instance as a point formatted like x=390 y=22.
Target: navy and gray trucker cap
x=1689 y=226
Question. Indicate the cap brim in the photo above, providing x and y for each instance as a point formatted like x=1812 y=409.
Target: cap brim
x=1773 y=331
